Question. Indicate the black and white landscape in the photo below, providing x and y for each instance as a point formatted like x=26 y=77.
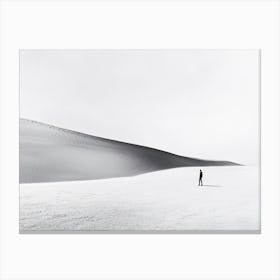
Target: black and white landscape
x=113 y=140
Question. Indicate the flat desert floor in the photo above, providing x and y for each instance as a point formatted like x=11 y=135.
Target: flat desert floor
x=165 y=200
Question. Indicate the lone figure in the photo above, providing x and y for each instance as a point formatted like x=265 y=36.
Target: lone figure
x=200 y=178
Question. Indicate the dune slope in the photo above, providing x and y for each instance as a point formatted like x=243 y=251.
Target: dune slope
x=52 y=154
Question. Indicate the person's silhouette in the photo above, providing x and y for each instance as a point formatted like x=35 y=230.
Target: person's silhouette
x=200 y=178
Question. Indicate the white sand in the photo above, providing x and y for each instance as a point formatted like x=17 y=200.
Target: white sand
x=163 y=200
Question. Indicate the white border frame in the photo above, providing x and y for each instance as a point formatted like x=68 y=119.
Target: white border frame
x=148 y=24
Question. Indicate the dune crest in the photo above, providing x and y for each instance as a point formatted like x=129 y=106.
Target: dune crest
x=53 y=154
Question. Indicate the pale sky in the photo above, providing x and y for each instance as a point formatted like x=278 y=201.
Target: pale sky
x=196 y=103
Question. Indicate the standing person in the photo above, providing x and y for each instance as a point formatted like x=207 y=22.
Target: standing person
x=200 y=178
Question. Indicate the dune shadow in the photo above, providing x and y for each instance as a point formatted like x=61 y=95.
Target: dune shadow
x=53 y=154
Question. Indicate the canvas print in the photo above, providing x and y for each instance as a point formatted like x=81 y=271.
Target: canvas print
x=139 y=141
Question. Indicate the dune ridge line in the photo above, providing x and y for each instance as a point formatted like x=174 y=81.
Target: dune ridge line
x=51 y=154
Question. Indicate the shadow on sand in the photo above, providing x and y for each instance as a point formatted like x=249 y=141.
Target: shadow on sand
x=212 y=186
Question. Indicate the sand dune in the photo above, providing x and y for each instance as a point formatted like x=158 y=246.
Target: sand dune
x=52 y=154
